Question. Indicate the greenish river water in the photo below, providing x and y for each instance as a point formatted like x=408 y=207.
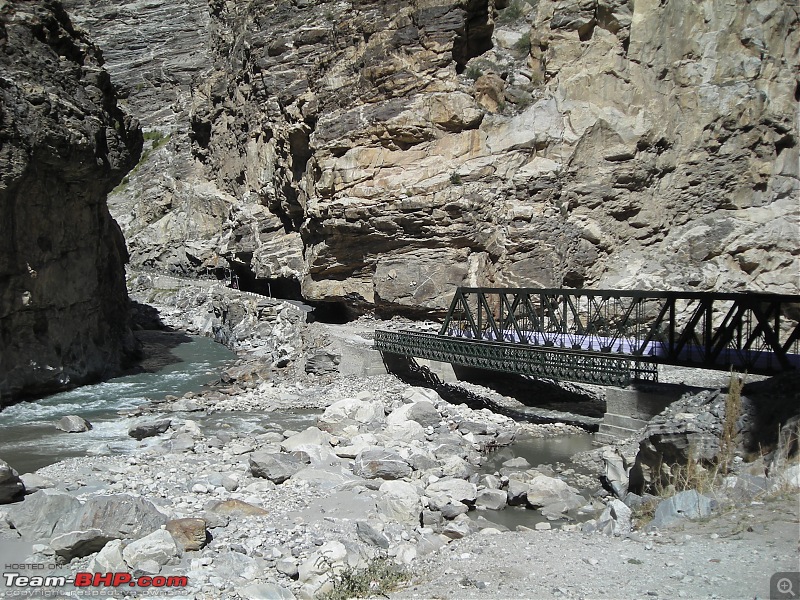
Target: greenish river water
x=29 y=439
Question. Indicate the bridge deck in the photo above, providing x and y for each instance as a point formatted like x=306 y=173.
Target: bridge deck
x=535 y=361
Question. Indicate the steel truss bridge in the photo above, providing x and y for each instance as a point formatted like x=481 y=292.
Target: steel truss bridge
x=608 y=337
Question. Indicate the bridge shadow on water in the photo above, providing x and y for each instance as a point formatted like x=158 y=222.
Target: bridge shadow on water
x=542 y=401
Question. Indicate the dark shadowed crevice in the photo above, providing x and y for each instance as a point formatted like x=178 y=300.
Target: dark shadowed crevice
x=241 y=277
x=585 y=32
x=200 y=133
x=282 y=288
x=334 y=313
x=286 y=288
x=475 y=37
x=299 y=146
x=782 y=144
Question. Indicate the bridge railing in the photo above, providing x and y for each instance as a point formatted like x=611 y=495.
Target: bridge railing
x=757 y=333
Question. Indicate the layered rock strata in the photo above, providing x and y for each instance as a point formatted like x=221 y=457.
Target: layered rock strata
x=64 y=145
x=153 y=51
x=382 y=153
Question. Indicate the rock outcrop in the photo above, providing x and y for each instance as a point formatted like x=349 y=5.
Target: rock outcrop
x=153 y=51
x=64 y=145
x=379 y=154
x=11 y=486
x=692 y=431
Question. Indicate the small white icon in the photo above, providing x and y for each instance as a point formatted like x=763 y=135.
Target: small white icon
x=785 y=586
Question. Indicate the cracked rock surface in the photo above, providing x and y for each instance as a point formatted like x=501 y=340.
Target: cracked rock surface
x=379 y=154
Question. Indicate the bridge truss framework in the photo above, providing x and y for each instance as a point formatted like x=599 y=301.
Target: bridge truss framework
x=609 y=337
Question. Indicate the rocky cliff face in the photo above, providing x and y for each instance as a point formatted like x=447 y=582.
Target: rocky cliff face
x=153 y=51
x=64 y=145
x=381 y=153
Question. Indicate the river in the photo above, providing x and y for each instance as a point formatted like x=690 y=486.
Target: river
x=29 y=439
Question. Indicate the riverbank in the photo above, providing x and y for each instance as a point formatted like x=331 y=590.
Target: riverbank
x=274 y=527
x=179 y=364
x=732 y=555
x=219 y=488
x=271 y=499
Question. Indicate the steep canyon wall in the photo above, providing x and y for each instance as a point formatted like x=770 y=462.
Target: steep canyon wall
x=381 y=153
x=64 y=145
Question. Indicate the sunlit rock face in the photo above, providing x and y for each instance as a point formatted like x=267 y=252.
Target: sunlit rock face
x=64 y=145
x=381 y=153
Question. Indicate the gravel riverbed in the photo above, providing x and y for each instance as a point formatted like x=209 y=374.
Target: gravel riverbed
x=246 y=508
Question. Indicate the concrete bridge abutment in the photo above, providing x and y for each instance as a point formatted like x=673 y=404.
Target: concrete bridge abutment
x=629 y=409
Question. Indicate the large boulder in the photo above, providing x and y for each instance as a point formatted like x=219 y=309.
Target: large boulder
x=34 y=482
x=109 y=559
x=615 y=476
x=118 y=516
x=683 y=506
x=158 y=546
x=189 y=534
x=381 y=463
x=790 y=478
x=517 y=492
x=275 y=467
x=73 y=424
x=75 y=544
x=370 y=535
x=312 y=436
x=317 y=572
x=44 y=514
x=422 y=411
x=11 y=486
x=352 y=415
x=615 y=519
x=404 y=431
x=455 y=466
x=544 y=491
x=146 y=429
x=400 y=502
x=453 y=491
x=491 y=499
